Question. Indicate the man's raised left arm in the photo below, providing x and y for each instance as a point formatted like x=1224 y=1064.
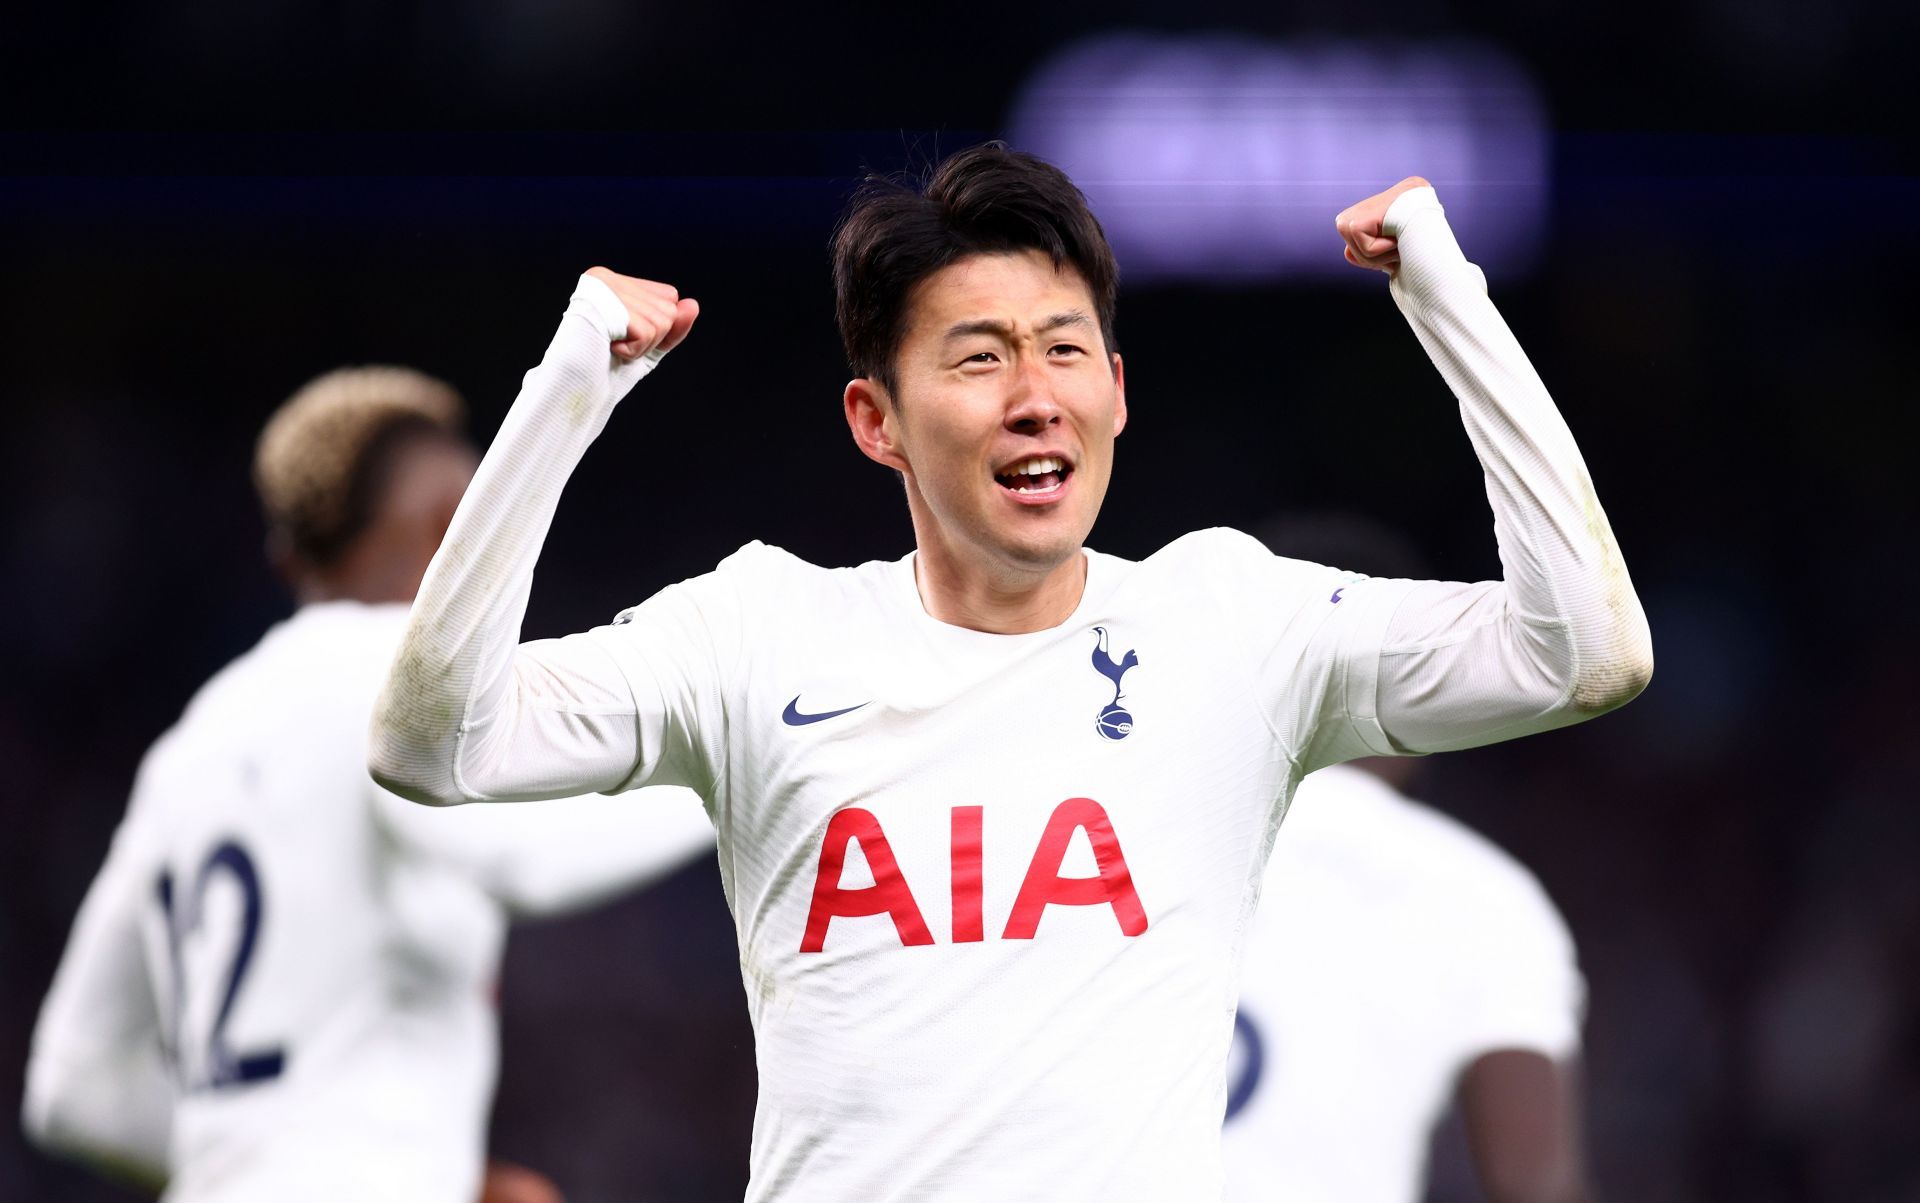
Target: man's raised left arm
x=1562 y=636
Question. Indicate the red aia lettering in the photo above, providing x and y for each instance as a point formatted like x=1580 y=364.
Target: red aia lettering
x=1045 y=887
x=1042 y=888
x=969 y=925
x=888 y=892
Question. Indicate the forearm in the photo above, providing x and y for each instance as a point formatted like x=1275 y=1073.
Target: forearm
x=467 y=714
x=113 y=1111
x=1562 y=635
x=1522 y=1113
x=586 y=851
x=97 y=1087
x=551 y=857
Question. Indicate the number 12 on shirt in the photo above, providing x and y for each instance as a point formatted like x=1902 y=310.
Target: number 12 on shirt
x=202 y=1060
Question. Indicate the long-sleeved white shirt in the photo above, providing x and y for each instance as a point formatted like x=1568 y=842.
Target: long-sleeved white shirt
x=990 y=889
x=1392 y=949
x=280 y=985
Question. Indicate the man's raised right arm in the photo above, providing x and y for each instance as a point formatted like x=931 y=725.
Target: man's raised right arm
x=468 y=714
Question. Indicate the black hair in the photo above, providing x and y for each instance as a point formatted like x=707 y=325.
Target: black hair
x=984 y=200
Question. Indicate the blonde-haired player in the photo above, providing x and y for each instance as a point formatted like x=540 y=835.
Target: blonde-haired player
x=280 y=984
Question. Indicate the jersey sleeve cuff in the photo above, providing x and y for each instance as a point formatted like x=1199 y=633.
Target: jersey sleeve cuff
x=596 y=302
x=1409 y=207
x=1432 y=265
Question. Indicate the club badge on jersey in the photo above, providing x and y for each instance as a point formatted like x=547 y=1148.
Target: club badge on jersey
x=1114 y=722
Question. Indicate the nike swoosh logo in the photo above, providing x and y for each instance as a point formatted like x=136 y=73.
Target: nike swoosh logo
x=792 y=717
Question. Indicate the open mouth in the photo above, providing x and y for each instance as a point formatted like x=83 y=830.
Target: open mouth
x=1035 y=476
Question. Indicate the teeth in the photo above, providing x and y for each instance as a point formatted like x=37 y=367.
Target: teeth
x=1035 y=466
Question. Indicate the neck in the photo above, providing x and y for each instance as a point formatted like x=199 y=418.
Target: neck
x=370 y=572
x=1011 y=602
x=313 y=589
x=310 y=593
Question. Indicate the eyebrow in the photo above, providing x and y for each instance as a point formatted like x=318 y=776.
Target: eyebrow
x=987 y=325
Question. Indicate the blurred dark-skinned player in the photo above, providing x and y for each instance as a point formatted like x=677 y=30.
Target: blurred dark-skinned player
x=281 y=984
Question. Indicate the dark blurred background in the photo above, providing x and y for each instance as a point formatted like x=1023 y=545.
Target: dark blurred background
x=204 y=205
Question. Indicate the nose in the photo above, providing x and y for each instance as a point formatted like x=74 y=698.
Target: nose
x=1031 y=405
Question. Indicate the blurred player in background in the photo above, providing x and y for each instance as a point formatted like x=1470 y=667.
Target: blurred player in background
x=993 y=815
x=281 y=984
x=1397 y=959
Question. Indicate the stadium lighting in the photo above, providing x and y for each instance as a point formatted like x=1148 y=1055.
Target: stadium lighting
x=1223 y=159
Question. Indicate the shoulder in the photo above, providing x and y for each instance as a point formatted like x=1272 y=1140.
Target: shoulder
x=1227 y=553
x=757 y=559
x=158 y=764
x=761 y=577
x=340 y=632
x=323 y=659
x=1213 y=544
x=1234 y=575
x=1502 y=892
x=760 y=564
x=342 y=649
x=1473 y=927
x=1441 y=862
x=747 y=571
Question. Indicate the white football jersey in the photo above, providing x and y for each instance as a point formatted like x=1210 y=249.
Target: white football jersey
x=317 y=957
x=1392 y=948
x=990 y=889
x=1063 y=829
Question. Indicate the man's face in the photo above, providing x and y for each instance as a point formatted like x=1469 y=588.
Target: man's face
x=1005 y=412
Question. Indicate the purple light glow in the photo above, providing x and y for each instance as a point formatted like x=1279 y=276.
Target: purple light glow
x=1226 y=159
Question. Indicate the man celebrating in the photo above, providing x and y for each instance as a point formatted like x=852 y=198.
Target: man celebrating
x=993 y=815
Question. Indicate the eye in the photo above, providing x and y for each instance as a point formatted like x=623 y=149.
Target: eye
x=982 y=357
x=1065 y=349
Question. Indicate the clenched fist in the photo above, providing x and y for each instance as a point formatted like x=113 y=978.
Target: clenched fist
x=658 y=317
x=1360 y=224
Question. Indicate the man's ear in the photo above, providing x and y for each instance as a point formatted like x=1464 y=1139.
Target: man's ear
x=1119 y=395
x=870 y=416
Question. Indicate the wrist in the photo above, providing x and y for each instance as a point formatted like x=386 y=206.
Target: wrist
x=1408 y=207
x=596 y=302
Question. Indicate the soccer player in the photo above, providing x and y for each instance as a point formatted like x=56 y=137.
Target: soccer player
x=993 y=815
x=1398 y=959
x=280 y=985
